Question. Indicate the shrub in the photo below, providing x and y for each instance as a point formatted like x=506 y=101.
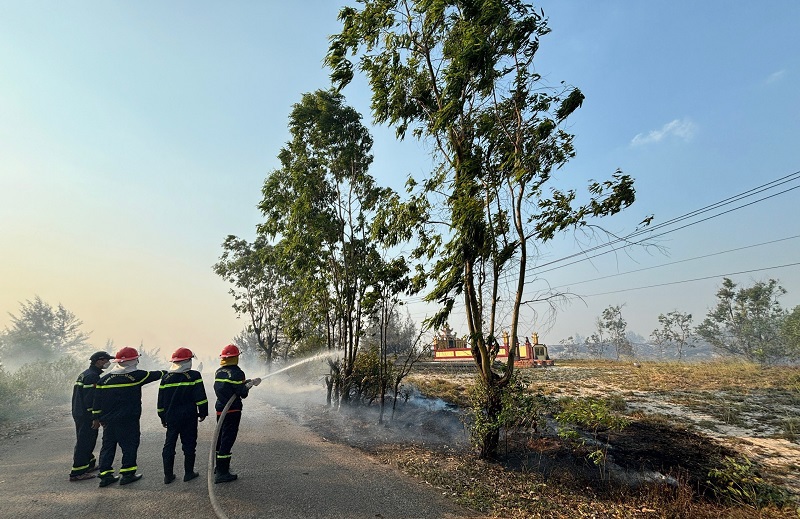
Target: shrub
x=737 y=482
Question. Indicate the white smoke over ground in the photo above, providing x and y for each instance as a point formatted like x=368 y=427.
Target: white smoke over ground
x=300 y=393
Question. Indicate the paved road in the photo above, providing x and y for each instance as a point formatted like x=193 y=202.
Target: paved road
x=285 y=471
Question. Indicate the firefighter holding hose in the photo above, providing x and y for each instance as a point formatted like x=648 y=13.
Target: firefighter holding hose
x=229 y=384
x=181 y=402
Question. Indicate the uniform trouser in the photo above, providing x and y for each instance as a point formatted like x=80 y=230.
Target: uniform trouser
x=227 y=434
x=124 y=433
x=186 y=430
x=84 y=445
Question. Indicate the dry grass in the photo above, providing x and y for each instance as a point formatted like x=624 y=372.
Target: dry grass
x=495 y=491
x=750 y=408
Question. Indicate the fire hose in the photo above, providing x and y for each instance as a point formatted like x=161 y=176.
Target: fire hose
x=212 y=458
x=212 y=455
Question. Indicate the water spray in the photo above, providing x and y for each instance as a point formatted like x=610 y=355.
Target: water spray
x=212 y=458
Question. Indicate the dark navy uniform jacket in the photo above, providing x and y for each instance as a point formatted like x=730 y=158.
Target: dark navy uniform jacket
x=229 y=381
x=83 y=393
x=181 y=396
x=118 y=396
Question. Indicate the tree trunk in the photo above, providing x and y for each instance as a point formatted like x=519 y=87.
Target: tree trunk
x=490 y=439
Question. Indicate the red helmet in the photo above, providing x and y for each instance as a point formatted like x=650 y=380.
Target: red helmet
x=229 y=351
x=181 y=354
x=126 y=353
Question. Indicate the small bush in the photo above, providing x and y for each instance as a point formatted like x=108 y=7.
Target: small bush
x=791 y=428
x=36 y=385
x=738 y=483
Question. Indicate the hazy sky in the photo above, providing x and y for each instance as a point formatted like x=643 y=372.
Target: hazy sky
x=135 y=136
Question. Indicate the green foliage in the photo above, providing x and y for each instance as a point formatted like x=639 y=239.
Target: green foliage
x=594 y=415
x=747 y=322
x=34 y=386
x=8 y=403
x=737 y=482
x=614 y=325
x=259 y=288
x=40 y=333
x=520 y=412
x=675 y=331
x=462 y=77
x=791 y=333
x=319 y=207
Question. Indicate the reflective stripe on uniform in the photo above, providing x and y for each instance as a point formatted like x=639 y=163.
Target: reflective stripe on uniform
x=176 y=384
x=111 y=386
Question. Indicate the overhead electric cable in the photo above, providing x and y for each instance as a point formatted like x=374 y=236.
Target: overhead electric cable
x=750 y=192
x=693 y=280
x=648 y=238
x=680 y=261
x=758 y=189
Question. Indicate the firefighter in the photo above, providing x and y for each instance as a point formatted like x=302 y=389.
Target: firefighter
x=229 y=381
x=83 y=461
x=181 y=402
x=117 y=408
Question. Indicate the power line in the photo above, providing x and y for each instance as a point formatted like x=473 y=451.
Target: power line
x=692 y=280
x=680 y=261
x=627 y=238
x=732 y=199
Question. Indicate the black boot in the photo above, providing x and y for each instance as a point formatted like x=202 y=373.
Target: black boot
x=108 y=479
x=129 y=478
x=223 y=474
x=188 y=468
x=169 y=467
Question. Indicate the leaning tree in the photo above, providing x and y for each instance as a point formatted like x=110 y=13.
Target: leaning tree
x=460 y=74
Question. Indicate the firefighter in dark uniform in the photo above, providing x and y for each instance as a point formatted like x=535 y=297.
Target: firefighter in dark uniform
x=229 y=382
x=118 y=407
x=181 y=401
x=83 y=460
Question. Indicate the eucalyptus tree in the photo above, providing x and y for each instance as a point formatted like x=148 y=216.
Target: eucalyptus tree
x=791 y=333
x=320 y=204
x=39 y=332
x=747 y=321
x=460 y=75
x=615 y=325
x=391 y=279
x=676 y=330
x=258 y=279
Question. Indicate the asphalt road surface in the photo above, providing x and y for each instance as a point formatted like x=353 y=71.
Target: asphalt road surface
x=285 y=471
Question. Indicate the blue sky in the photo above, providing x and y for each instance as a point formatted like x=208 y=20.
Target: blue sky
x=135 y=136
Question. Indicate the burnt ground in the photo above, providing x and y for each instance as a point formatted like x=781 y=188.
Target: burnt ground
x=643 y=453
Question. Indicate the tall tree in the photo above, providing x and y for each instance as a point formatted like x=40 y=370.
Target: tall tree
x=747 y=321
x=676 y=330
x=320 y=204
x=257 y=276
x=791 y=333
x=40 y=332
x=460 y=74
x=615 y=325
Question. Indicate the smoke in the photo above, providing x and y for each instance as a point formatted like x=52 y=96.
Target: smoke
x=299 y=391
